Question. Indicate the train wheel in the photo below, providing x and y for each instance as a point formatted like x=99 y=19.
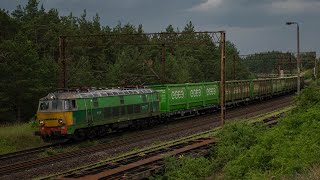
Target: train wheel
x=102 y=131
x=91 y=133
x=79 y=135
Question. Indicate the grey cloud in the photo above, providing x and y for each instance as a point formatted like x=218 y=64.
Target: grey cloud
x=247 y=22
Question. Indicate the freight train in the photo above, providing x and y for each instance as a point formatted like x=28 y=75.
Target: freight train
x=87 y=113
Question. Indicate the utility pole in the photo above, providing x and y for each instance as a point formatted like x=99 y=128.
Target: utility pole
x=298 y=55
x=298 y=58
x=222 y=77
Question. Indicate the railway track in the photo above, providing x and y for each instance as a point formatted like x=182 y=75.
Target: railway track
x=136 y=163
x=148 y=162
x=26 y=152
x=206 y=121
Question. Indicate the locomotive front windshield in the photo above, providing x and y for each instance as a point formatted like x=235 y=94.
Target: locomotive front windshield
x=43 y=105
x=53 y=105
x=56 y=105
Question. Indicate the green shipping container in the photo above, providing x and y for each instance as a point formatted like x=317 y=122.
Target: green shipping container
x=179 y=97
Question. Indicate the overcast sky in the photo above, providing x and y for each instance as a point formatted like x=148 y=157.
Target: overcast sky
x=252 y=25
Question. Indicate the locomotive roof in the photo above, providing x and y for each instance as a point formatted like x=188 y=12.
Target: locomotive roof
x=95 y=93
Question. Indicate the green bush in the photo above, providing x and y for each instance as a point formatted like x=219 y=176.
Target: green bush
x=18 y=137
x=286 y=150
x=187 y=168
x=234 y=139
x=309 y=97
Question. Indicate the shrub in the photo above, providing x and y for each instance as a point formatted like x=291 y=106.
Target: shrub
x=234 y=139
x=309 y=97
x=187 y=168
x=18 y=137
x=287 y=149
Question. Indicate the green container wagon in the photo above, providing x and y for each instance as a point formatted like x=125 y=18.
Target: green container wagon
x=189 y=96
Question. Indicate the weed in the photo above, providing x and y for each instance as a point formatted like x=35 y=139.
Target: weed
x=18 y=137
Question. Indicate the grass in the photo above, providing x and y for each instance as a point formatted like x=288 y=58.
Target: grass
x=18 y=137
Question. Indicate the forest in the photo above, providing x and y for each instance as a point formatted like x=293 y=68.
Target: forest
x=29 y=57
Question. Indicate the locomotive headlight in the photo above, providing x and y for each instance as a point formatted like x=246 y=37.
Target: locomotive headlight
x=41 y=122
x=60 y=121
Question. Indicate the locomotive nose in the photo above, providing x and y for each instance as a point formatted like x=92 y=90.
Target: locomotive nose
x=53 y=125
x=54 y=119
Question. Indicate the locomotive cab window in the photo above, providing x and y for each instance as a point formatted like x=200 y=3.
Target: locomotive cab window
x=73 y=104
x=57 y=105
x=43 y=105
x=69 y=104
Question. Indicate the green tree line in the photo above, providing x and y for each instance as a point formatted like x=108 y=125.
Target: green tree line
x=29 y=53
x=269 y=62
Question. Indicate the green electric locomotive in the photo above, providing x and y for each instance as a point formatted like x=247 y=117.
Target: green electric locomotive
x=87 y=113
